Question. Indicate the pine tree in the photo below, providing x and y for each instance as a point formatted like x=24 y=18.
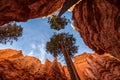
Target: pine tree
x=64 y=43
x=57 y=22
x=10 y=32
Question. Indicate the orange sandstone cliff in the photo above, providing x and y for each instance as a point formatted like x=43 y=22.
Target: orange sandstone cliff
x=98 y=22
x=97 y=67
x=28 y=68
x=88 y=66
x=9 y=53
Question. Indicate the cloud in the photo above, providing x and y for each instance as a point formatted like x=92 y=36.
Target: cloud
x=30 y=53
x=42 y=52
x=33 y=46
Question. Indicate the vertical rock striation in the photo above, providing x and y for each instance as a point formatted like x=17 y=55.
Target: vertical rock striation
x=98 y=22
x=97 y=67
x=105 y=67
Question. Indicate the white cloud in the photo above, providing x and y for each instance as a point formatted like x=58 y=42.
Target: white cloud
x=33 y=46
x=42 y=52
x=30 y=53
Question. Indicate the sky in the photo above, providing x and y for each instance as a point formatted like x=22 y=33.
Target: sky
x=36 y=32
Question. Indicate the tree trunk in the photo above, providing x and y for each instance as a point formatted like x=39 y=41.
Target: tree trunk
x=73 y=67
x=70 y=65
x=67 y=4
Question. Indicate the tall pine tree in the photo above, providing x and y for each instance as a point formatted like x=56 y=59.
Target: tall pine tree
x=10 y=32
x=64 y=43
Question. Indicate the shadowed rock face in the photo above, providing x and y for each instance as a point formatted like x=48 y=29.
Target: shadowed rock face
x=22 y=10
x=98 y=22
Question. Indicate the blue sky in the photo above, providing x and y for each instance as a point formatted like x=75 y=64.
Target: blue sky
x=36 y=32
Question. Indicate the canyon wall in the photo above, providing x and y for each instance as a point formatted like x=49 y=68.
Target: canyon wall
x=9 y=53
x=88 y=66
x=98 y=22
x=22 y=10
x=18 y=67
x=97 y=67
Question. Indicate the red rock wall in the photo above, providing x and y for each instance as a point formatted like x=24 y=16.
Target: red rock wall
x=98 y=22
x=89 y=67
x=97 y=67
x=22 y=10
x=9 y=53
x=28 y=68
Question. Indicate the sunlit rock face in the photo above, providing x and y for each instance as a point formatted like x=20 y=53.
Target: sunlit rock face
x=28 y=68
x=88 y=66
x=80 y=64
x=97 y=67
x=20 y=68
x=22 y=10
x=66 y=72
x=98 y=22
x=9 y=53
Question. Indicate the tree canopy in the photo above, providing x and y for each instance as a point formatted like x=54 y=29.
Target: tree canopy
x=10 y=32
x=54 y=45
x=64 y=43
x=57 y=22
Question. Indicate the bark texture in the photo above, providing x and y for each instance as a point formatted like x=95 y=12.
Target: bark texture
x=71 y=68
x=98 y=22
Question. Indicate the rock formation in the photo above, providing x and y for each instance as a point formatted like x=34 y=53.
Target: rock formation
x=22 y=10
x=98 y=22
x=88 y=66
x=28 y=68
x=97 y=67
x=9 y=53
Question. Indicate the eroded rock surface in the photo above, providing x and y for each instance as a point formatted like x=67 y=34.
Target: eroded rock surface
x=88 y=66
x=22 y=10
x=97 y=67
x=98 y=22
x=28 y=68
x=9 y=53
